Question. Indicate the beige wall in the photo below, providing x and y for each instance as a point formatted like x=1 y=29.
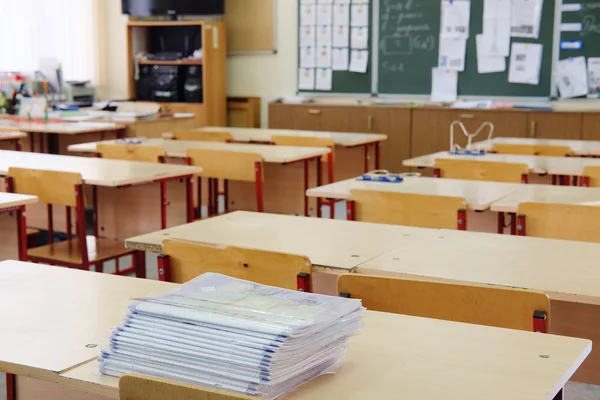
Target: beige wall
x=267 y=75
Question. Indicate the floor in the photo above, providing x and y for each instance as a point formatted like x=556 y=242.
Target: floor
x=574 y=390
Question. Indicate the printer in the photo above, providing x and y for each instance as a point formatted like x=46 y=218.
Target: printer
x=79 y=93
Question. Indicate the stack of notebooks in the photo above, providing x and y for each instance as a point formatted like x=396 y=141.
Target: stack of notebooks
x=234 y=335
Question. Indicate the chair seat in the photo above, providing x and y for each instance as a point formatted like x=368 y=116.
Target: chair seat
x=68 y=251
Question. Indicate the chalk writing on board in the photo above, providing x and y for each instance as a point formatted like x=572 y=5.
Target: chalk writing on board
x=589 y=25
x=394 y=45
x=404 y=28
x=392 y=66
x=590 y=6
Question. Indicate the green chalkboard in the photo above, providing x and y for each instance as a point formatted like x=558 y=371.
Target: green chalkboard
x=589 y=17
x=345 y=81
x=408 y=49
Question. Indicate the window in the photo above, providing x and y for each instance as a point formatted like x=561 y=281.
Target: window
x=61 y=29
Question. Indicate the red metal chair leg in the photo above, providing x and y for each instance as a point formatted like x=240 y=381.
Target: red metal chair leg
x=11 y=387
x=513 y=224
x=524 y=178
x=81 y=228
x=461 y=220
x=585 y=181
x=437 y=173
x=306 y=185
x=69 y=224
x=330 y=167
x=350 y=210
x=226 y=194
x=189 y=199
x=377 y=156
x=216 y=198
x=303 y=282
x=163 y=205
x=50 y=224
x=164 y=268
x=95 y=211
x=99 y=267
x=210 y=197
x=139 y=262
x=560 y=395
x=500 y=222
x=540 y=321
x=22 y=233
x=521 y=225
x=332 y=209
x=319 y=183
x=554 y=179
x=260 y=206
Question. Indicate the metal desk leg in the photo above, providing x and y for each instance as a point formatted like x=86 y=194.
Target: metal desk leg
x=377 y=156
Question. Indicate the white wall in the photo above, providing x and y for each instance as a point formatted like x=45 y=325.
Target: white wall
x=266 y=75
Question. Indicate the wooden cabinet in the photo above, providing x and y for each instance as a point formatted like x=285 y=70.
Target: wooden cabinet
x=506 y=123
x=430 y=131
x=395 y=123
x=197 y=109
x=295 y=116
x=555 y=125
x=590 y=126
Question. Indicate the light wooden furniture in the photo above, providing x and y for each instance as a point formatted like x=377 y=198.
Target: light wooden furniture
x=481 y=171
x=244 y=36
x=565 y=270
x=567 y=166
x=182 y=261
x=205 y=136
x=474 y=304
x=546 y=194
x=450 y=352
x=407 y=209
x=591 y=177
x=559 y=221
x=66 y=189
x=14 y=203
x=533 y=149
x=243 y=112
x=131 y=152
x=119 y=218
x=137 y=387
x=49 y=132
x=286 y=170
x=213 y=41
x=8 y=139
x=216 y=164
x=576 y=147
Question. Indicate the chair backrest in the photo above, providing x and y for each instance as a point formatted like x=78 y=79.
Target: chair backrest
x=220 y=164
x=592 y=174
x=136 y=387
x=191 y=259
x=51 y=187
x=482 y=170
x=560 y=221
x=533 y=149
x=475 y=304
x=407 y=209
x=131 y=152
x=305 y=141
x=204 y=136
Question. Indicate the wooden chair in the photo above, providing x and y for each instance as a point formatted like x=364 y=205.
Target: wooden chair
x=81 y=251
x=312 y=141
x=136 y=387
x=532 y=150
x=591 y=177
x=133 y=152
x=481 y=170
x=475 y=304
x=559 y=221
x=226 y=165
x=203 y=136
x=182 y=261
x=441 y=212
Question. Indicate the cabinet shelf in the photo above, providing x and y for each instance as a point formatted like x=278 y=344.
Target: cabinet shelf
x=170 y=62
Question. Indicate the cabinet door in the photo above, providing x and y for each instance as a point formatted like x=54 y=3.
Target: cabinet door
x=555 y=125
x=591 y=126
x=295 y=116
x=344 y=119
x=430 y=130
x=505 y=123
x=395 y=123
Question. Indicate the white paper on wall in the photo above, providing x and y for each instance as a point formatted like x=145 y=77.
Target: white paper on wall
x=308 y=57
x=324 y=56
x=359 y=14
x=324 y=79
x=307 y=35
x=359 y=61
x=359 y=37
x=308 y=14
x=340 y=56
x=306 y=79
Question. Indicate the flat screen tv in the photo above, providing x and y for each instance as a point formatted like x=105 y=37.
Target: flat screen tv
x=148 y=8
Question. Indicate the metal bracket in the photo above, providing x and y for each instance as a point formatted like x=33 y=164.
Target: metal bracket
x=455 y=147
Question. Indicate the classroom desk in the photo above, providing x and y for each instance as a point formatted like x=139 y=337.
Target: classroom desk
x=333 y=246
x=52 y=131
x=347 y=152
x=587 y=148
x=479 y=195
x=66 y=326
x=13 y=139
x=569 y=166
x=565 y=270
x=547 y=194
x=13 y=234
x=119 y=213
x=286 y=172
